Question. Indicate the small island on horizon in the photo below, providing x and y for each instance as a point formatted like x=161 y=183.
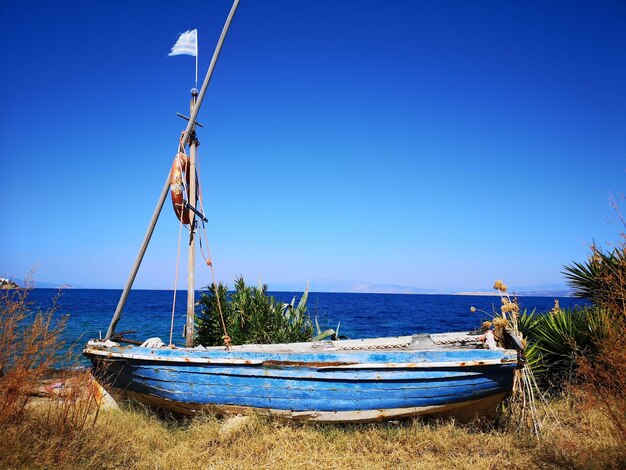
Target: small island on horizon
x=6 y=283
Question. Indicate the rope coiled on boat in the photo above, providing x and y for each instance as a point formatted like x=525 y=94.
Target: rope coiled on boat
x=375 y=346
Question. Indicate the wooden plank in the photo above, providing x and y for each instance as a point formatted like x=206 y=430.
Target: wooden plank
x=420 y=365
x=162 y=358
x=465 y=410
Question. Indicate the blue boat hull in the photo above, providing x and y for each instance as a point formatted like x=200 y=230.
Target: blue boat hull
x=322 y=385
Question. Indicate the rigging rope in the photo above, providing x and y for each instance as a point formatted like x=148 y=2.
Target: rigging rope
x=207 y=258
x=180 y=233
x=181 y=149
x=209 y=261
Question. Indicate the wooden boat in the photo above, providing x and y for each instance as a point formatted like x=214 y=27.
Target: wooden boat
x=340 y=381
x=345 y=381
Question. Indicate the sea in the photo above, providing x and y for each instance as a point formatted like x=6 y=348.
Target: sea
x=148 y=312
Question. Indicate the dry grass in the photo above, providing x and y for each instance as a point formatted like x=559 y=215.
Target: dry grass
x=137 y=438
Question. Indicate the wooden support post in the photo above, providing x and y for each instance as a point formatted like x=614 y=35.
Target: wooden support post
x=157 y=211
x=191 y=266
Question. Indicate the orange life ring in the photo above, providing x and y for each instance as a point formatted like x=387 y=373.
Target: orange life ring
x=180 y=166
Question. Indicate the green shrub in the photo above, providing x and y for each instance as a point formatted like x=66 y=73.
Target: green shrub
x=251 y=317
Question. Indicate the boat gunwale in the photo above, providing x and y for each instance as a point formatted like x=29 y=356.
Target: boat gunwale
x=322 y=366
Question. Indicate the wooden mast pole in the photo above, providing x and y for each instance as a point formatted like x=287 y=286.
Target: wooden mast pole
x=157 y=211
x=191 y=266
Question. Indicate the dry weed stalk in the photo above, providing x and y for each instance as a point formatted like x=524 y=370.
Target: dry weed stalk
x=30 y=342
x=30 y=346
x=603 y=384
x=523 y=413
x=49 y=409
x=602 y=375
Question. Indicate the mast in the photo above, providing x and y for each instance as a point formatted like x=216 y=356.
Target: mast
x=157 y=211
x=191 y=269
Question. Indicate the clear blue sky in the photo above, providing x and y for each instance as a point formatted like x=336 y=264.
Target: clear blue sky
x=439 y=144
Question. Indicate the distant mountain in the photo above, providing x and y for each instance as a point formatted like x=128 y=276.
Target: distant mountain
x=547 y=290
x=42 y=285
x=339 y=285
x=540 y=290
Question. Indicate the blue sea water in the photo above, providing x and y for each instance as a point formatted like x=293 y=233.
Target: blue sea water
x=361 y=315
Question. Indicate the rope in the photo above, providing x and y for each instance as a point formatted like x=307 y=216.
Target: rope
x=374 y=346
x=180 y=232
x=209 y=262
x=455 y=339
x=207 y=258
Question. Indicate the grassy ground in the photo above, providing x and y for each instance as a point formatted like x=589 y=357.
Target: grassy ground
x=69 y=432
x=136 y=438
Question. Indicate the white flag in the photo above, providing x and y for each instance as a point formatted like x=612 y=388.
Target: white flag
x=187 y=44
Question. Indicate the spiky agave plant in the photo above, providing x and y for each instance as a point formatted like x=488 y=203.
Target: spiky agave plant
x=296 y=316
x=562 y=337
x=527 y=323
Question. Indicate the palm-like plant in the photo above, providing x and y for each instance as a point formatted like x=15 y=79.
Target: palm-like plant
x=601 y=279
x=527 y=324
x=556 y=341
